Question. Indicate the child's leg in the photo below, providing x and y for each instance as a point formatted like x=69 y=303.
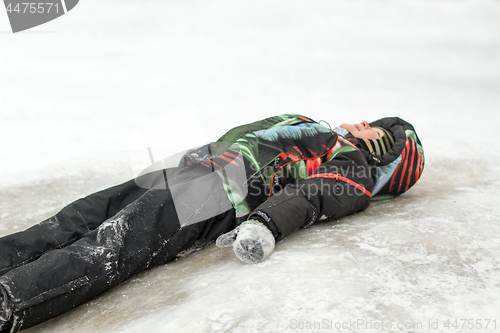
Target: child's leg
x=145 y=233
x=69 y=225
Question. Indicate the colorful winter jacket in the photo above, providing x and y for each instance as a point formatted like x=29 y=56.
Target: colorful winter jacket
x=289 y=157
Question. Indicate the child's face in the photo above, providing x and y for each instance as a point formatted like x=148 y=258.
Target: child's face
x=363 y=130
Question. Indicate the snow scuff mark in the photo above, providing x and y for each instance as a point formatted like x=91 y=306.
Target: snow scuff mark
x=112 y=231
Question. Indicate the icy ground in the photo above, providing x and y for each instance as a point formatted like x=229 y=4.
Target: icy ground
x=73 y=90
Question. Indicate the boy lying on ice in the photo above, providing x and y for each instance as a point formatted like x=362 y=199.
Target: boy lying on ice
x=253 y=187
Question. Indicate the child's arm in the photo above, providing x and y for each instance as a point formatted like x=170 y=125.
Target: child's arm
x=338 y=188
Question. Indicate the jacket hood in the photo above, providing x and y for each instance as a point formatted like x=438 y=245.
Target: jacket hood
x=401 y=167
x=397 y=127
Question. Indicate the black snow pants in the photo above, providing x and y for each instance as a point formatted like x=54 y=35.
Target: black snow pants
x=101 y=240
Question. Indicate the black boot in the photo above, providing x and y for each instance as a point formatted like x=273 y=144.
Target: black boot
x=5 y=311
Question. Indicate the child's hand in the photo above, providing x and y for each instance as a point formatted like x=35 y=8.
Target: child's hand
x=252 y=241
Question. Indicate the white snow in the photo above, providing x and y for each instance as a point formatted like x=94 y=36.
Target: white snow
x=75 y=90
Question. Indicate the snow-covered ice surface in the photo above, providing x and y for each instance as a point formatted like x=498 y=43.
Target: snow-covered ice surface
x=72 y=91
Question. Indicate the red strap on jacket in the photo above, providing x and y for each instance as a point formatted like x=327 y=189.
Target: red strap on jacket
x=336 y=176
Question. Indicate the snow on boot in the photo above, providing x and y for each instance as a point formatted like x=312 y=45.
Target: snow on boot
x=5 y=310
